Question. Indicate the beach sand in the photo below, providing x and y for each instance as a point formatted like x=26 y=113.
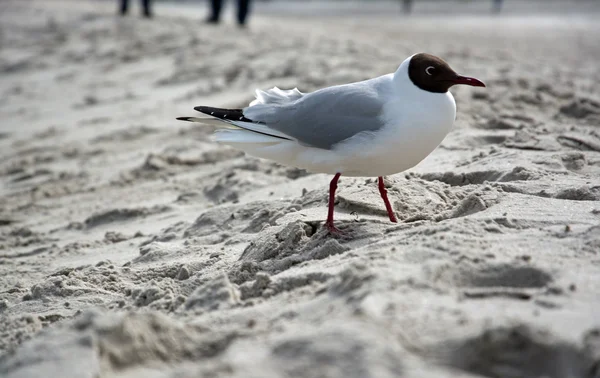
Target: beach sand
x=133 y=246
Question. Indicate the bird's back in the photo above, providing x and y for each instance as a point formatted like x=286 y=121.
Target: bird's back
x=328 y=116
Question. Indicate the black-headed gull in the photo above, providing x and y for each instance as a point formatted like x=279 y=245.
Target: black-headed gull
x=373 y=128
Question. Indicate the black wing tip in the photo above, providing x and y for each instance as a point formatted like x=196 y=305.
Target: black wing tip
x=205 y=109
x=227 y=115
x=189 y=119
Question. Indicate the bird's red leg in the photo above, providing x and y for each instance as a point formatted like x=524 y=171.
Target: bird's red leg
x=388 y=206
x=332 y=188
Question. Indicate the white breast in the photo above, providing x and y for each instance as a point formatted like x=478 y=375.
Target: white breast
x=416 y=123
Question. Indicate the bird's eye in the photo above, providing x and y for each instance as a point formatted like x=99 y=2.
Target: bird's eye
x=429 y=69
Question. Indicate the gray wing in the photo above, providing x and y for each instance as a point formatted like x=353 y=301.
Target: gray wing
x=325 y=117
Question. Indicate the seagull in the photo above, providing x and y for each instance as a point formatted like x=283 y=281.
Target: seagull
x=371 y=128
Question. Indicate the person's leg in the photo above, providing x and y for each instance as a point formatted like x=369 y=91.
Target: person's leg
x=216 y=11
x=243 y=9
x=496 y=6
x=124 y=6
x=146 y=8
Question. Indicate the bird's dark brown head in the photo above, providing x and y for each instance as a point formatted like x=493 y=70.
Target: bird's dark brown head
x=432 y=74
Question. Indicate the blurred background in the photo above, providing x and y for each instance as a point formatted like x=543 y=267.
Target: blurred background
x=181 y=58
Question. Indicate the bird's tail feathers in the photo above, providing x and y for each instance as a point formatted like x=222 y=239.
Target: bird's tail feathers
x=208 y=121
x=231 y=119
x=276 y=96
x=243 y=137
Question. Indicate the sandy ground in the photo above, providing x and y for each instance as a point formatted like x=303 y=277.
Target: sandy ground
x=132 y=246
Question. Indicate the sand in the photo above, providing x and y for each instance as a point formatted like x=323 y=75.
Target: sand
x=133 y=246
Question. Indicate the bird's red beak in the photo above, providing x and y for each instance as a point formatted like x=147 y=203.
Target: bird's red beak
x=468 y=81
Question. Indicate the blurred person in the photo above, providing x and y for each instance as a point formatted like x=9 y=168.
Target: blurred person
x=146 y=12
x=496 y=6
x=242 y=14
